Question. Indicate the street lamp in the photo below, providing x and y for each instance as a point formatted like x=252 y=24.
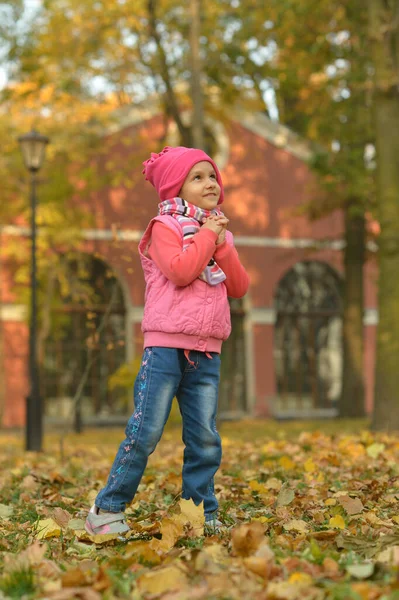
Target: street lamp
x=33 y=146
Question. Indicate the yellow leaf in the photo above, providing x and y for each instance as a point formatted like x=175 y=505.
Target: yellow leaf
x=273 y=484
x=389 y=555
x=286 y=463
x=142 y=550
x=330 y=502
x=375 y=450
x=82 y=534
x=256 y=486
x=337 y=522
x=47 y=528
x=192 y=514
x=5 y=511
x=296 y=525
x=309 y=465
x=298 y=577
x=171 y=531
x=160 y=581
x=395 y=519
x=217 y=553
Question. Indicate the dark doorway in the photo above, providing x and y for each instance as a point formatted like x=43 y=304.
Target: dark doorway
x=308 y=339
x=88 y=326
x=233 y=385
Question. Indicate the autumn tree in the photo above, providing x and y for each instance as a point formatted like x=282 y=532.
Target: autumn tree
x=384 y=38
x=315 y=57
x=307 y=63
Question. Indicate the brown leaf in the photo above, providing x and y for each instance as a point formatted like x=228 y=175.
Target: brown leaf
x=30 y=557
x=75 y=578
x=75 y=593
x=102 y=581
x=331 y=566
x=259 y=565
x=159 y=581
x=62 y=517
x=327 y=534
x=29 y=483
x=352 y=506
x=247 y=538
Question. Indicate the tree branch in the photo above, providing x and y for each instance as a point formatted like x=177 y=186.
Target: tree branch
x=171 y=100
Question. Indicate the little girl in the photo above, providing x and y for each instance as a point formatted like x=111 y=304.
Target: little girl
x=190 y=267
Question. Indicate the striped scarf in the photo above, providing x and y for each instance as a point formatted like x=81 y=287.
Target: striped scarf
x=190 y=218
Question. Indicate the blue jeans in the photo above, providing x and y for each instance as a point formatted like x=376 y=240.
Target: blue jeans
x=164 y=374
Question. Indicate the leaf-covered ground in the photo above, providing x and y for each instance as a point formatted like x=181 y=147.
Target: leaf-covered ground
x=312 y=511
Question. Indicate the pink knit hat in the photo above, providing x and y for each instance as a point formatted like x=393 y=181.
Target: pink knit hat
x=168 y=170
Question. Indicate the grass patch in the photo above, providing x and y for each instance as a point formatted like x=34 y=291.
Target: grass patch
x=18 y=584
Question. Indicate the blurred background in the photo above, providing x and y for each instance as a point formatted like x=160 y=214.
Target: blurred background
x=298 y=103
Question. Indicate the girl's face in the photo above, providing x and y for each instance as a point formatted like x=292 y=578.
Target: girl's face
x=201 y=187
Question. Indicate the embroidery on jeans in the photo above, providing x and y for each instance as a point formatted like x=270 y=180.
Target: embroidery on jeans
x=136 y=417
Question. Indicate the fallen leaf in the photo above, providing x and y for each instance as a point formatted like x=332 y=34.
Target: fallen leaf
x=143 y=551
x=300 y=578
x=258 y=565
x=352 y=506
x=285 y=496
x=5 y=511
x=374 y=450
x=296 y=525
x=330 y=565
x=75 y=578
x=32 y=556
x=330 y=502
x=159 y=581
x=390 y=555
x=47 y=528
x=62 y=517
x=310 y=466
x=247 y=538
x=361 y=571
x=192 y=515
x=337 y=522
x=286 y=463
x=29 y=483
x=76 y=524
x=171 y=531
x=72 y=593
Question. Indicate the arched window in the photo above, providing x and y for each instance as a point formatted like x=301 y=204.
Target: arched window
x=86 y=341
x=308 y=338
x=232 y=390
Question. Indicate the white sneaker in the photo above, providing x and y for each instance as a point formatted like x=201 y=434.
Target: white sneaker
x=105 y=522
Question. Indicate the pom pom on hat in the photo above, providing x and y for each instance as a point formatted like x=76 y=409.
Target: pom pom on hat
x=168 y=169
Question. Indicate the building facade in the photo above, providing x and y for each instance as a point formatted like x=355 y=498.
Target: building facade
x=284 y=358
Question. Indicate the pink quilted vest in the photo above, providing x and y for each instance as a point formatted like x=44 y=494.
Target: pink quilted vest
x=194 y=317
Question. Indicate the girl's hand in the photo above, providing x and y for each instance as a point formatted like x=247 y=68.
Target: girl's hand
x=222 y=220
x=215 y=223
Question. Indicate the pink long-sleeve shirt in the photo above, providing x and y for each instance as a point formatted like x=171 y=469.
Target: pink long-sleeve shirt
x=182 y=268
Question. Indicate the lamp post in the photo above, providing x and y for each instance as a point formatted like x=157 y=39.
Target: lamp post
x=33 y=146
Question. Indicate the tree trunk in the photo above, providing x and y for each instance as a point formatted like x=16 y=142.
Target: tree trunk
x=198 y=129
x=173 y=108
x=351 y=402
x=384 y=34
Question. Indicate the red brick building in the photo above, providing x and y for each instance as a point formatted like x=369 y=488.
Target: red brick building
x=285 y=357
